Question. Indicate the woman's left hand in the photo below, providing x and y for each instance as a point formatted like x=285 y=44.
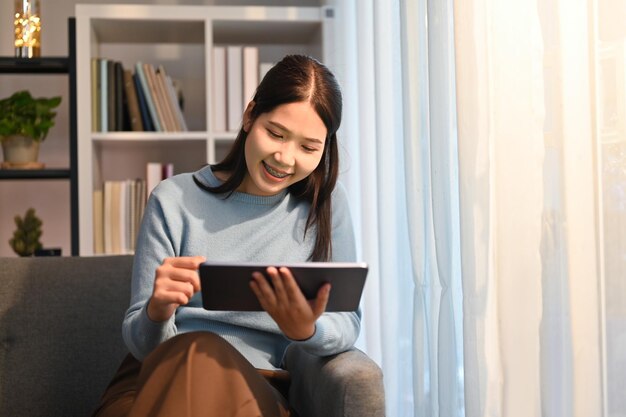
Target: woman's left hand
x=285 y=303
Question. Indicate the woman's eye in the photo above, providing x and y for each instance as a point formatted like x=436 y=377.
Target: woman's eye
x=309 y=149
x=274 y=134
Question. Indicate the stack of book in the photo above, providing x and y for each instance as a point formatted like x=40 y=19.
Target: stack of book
x=145 y=99
x=236 y=74
x=118 y=209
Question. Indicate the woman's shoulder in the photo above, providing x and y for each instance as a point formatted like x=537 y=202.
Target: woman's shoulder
x=339 y=194
x=187 y=184
x=205 y=177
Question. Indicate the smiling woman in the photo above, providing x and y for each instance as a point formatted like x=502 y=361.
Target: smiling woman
x=272 y=200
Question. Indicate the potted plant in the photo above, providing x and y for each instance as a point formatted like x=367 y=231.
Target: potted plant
x=24 y=124
x=25 y=240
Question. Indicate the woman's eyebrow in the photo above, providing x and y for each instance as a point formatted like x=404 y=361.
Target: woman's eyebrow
x=281 y=127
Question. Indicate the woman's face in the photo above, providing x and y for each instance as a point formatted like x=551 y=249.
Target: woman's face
x=283 y=147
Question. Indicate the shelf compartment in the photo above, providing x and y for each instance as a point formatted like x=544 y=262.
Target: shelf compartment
x=149 y=31
x=119 y=160
x=266 y=32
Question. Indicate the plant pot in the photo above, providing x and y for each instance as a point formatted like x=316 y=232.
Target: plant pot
x=20 y=152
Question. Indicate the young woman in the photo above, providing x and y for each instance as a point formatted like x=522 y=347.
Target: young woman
x=272 y=199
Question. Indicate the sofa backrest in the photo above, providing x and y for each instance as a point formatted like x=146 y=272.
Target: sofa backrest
x=60 y=332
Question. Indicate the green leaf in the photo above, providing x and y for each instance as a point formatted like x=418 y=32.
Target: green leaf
x=21 y=114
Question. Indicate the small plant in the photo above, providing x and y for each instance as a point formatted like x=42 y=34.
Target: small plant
x=21 y=114
x=25 y=240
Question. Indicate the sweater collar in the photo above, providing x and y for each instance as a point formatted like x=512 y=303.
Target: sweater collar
x=205 y=177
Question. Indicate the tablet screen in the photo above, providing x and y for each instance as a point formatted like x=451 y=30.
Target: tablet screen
x=226 y=286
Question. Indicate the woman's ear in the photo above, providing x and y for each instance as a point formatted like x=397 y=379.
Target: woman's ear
x=247 y=117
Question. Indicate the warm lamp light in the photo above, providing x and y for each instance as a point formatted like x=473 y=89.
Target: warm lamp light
x=27 y=26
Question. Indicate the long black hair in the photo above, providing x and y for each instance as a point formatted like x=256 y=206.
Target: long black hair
x=298 y=78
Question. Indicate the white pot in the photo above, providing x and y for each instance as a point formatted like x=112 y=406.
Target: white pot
x=20 y=149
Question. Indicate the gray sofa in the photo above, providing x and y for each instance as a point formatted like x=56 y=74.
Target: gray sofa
x=60 y=344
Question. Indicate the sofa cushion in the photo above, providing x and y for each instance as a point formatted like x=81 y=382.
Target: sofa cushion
x=60 y=332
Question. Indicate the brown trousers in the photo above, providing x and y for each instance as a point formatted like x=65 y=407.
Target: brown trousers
x=193 y=375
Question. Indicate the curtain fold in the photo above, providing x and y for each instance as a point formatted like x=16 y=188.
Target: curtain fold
x=499 y=93
x=432 y=195
x=374 y=176
x=528 y=223
x=397 y=71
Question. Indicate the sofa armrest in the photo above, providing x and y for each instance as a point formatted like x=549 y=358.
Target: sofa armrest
x=349 y=384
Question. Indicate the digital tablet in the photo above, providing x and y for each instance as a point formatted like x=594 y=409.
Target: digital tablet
x=226 y=286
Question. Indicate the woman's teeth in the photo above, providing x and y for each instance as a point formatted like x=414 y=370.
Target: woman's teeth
x=273 y=172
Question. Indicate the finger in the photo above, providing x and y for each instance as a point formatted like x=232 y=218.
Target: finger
x=184 y=275
x=277 y=281
x=265 y=290
x=176 y=297
x=177 y=286
x=163 y=290
x=259 y=295
x=187 y=262
x=164 y=297
x=292 y=288
x=319 y=304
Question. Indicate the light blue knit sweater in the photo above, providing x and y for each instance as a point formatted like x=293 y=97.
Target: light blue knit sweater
x=182 y=219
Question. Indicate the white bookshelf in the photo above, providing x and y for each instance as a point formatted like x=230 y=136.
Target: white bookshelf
x=181 y=38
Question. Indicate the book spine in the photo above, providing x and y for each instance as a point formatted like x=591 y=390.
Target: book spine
x=107 y=221
x=123 y=214
x=146 y=120
x=104 y=117
x=98 y=221
x=111 y=96
x=119 y=97
x=148 y=69
x=235 y=87
x=149 y=101
x=133 y=104
x=165 y=98
x=130 y=215
x=250 y=73
x=218 y=80
x=95 y=95
x=167 y=170
x=174 y=100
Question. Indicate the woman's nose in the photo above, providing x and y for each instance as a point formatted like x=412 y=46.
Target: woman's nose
x=286 y=155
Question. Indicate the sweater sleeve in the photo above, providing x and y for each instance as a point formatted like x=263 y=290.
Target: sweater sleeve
x=154 y=244
x=337 y=332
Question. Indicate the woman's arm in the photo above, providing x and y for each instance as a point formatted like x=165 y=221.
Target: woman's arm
x=160 y=283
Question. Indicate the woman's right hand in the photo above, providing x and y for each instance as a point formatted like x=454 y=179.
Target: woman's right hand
x=176 y=281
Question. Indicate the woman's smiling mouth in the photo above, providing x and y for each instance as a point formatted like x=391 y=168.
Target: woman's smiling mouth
x=273 y=172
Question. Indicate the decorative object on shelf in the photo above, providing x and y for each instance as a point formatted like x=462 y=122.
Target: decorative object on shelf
x=48 y=252
x=25 y=240
x=27 y=25
x=24 y=124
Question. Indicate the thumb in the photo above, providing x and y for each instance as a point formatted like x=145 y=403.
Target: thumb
x=319 y=304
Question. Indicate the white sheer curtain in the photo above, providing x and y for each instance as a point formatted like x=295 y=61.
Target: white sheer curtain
x=487 y=142
x=528 y=217
x=610 y=59
x=400 y=141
